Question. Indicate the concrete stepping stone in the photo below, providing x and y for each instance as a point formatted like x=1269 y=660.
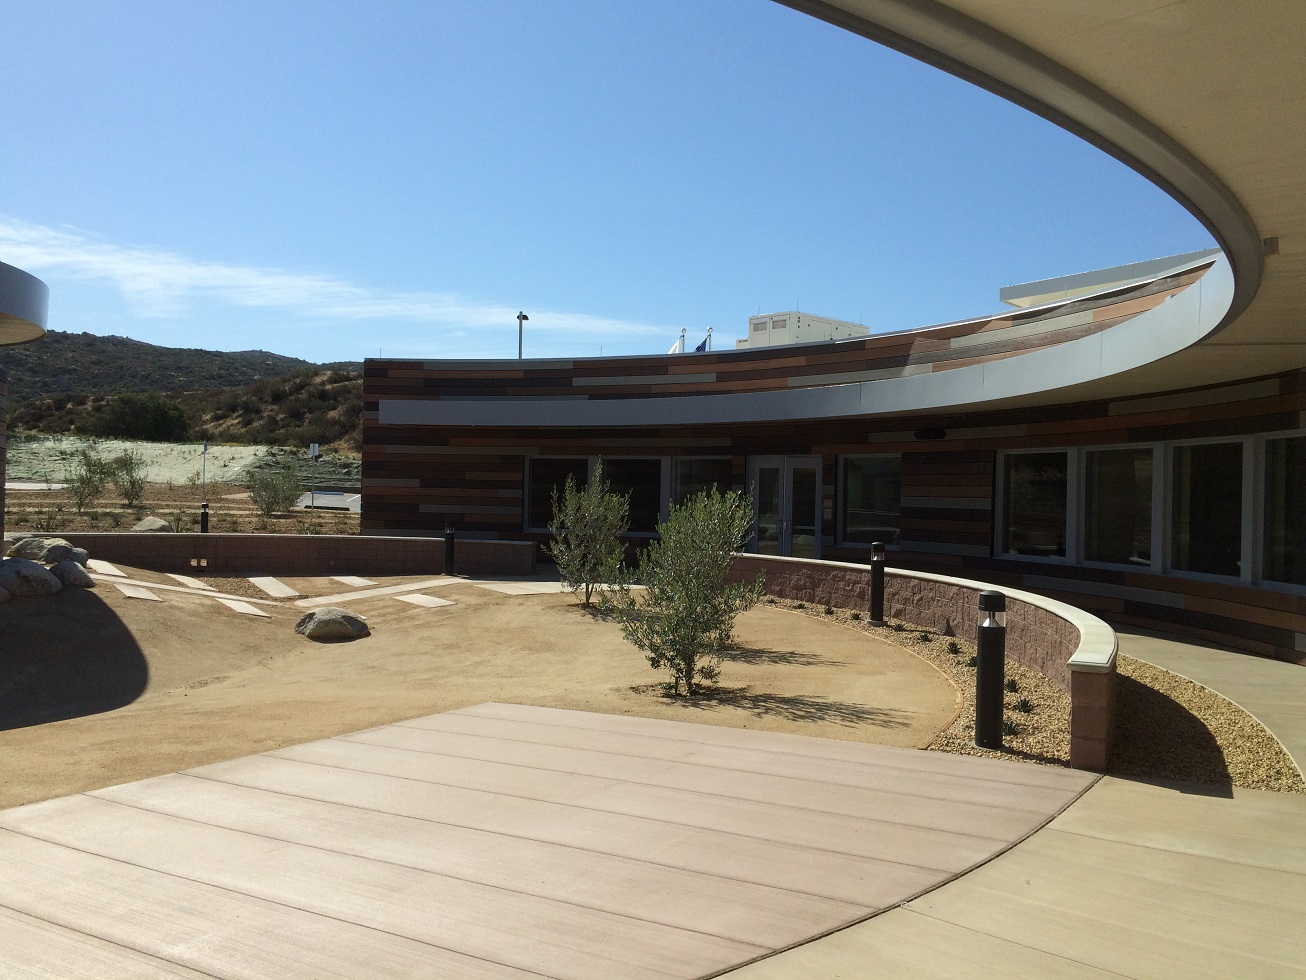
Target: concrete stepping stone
x=273 y=587
x=189 y=582
x=136 y=592
x=332 y=600
x=429 y=601
x=521 y=588
x=242 y=607
x=104 y=568
x=353 y=580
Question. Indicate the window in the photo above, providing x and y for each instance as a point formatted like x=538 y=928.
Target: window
x=1206 y=524
x=1284 y=554
x=871 y=499
x=1118 y=506
x=546 y=477
x=696 y=475
x=642 y=480
x=1034 y=504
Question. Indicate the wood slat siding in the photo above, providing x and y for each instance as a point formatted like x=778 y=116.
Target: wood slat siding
x=418 y=477
x=4 y=444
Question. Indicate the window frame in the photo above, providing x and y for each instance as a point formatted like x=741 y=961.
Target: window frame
x=1073 y=524
x=840 y=510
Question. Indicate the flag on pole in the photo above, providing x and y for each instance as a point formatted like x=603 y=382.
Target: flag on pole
x=706 y=345
x=675 y=348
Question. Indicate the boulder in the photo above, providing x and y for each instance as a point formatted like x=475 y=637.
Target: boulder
x=153 y=524
x=47 y=549
x=332 y=623
x=22 y=576
x=70 y=572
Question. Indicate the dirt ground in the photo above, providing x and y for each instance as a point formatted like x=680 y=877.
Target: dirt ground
x=98 y=689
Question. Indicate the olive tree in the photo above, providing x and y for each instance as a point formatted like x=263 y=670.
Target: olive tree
x=687 y=613
x=587 y=526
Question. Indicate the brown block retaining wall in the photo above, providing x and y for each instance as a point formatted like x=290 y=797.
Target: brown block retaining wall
x=1037 y=636
x=306 y=554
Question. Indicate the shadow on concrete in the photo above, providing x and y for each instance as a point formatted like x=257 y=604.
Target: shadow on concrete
x=1159 y=739
x=791 y=707
x=65 y=656
x=787 y=658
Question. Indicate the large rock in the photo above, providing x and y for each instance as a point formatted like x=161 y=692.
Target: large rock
x=332 y=623
x=22 y=576
x=47 y=549
x=153 y=524
x=70 y=572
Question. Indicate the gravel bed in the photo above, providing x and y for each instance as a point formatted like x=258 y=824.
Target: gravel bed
x=1167 y=727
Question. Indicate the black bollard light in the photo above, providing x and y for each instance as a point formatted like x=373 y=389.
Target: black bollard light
x=204 y=517
x=990 y=668
x=877 y=583
x=448 y=549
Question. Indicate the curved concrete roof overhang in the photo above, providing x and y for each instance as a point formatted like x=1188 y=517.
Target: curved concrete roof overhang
x=24 y=300
x=1205 y=98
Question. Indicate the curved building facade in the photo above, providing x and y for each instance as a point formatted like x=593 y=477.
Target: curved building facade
x=1137 y=449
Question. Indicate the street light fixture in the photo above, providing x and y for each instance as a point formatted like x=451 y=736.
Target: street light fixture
x=520 y=318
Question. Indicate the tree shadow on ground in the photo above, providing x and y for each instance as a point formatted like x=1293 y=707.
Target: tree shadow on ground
x=813 y=709
x=1159 y=739
x=785 y=658
x=65 y=656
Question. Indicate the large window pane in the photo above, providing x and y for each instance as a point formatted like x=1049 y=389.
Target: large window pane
x=696 y=475
x=871 y=498
x=1034 y=494
x=642 y=479
x=1285 y=511
x=1118 y=506
x=546 y=476
x=1208 y=503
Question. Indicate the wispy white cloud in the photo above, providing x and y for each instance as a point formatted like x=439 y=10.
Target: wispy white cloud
x=156 y=283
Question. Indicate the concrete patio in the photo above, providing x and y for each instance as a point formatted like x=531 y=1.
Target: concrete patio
x=500 y=841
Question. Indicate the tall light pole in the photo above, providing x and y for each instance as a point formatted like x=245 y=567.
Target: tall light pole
x=520 y=318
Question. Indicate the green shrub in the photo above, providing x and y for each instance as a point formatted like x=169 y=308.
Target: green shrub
x=274 y=491
x=88 y=478
x=1025 y=706
x=127 y=471
x=954 y=647
x=687 y=615
x=140 y=416
x=587 y=526
x=1011 y=685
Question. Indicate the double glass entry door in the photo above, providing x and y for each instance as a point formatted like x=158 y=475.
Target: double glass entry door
x=786 y=505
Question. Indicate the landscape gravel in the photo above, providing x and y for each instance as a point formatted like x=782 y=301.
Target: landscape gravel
x=1167 y=727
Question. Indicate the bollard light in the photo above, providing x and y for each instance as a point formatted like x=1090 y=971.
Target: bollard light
x=990 y=669
x=877 y=584
x=448 y=549
x=204 y=517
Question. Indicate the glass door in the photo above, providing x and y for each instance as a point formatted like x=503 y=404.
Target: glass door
x=786 y=505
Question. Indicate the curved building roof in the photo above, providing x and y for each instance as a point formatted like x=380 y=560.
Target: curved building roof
x=1206 y=98
x=24 y=300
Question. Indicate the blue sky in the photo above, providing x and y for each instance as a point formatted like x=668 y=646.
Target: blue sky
x=337 y=180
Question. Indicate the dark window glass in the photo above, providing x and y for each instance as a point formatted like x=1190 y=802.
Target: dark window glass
x=696 y=475
x=1208 y=505
x=1034 y=502
x=548 y=476
x=871 y=498
x=642 y=479
x=1285 y=510
x=1118 y=506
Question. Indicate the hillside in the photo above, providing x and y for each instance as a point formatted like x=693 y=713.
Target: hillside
x=80 y=383
x=86 y=364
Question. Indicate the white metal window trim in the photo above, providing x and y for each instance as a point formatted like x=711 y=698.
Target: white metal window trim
x=1158 y=501
x=1000 y=506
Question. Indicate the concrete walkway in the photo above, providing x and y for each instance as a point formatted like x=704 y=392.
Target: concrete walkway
x=499 y=841
x=1134 y=879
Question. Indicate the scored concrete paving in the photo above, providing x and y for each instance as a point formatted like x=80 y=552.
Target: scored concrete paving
x=500 y=841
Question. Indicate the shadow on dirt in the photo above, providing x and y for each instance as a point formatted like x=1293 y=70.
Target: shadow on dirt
x=786 y=658
x=791 y=707
x=65 y=656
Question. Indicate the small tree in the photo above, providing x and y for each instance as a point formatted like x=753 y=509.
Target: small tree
x=127 y=470
x=274 y=491
x=688 y=612
x=587 y=526
x=88 y=478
